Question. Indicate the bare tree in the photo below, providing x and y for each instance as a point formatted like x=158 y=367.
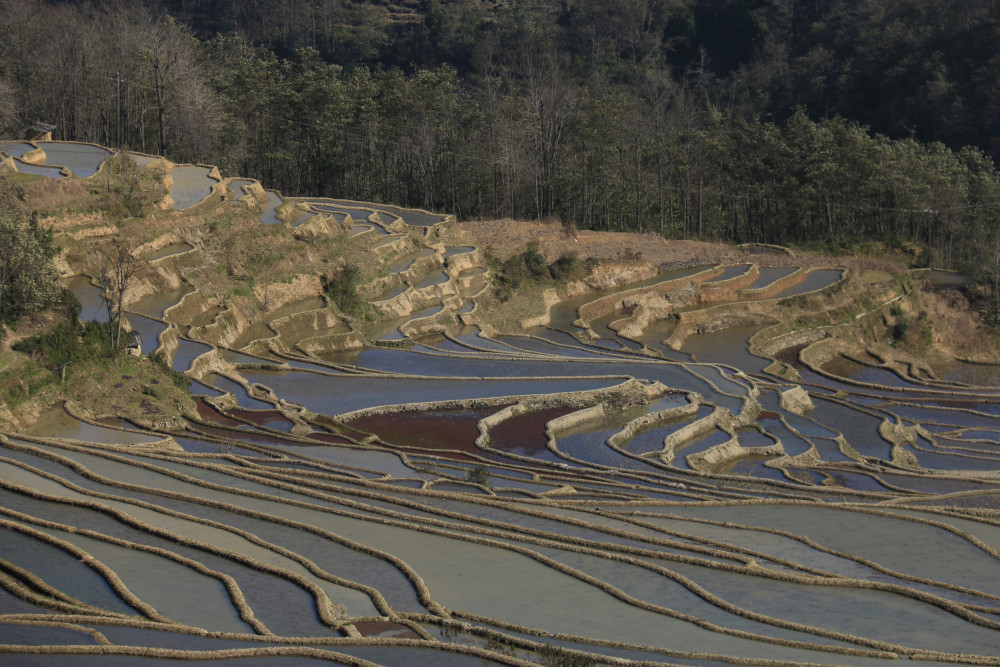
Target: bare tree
x=551 y=98
x=117 y=271
x=260 y=256
x=167 y=51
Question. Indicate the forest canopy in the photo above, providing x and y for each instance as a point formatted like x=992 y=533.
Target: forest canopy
x=824 y=123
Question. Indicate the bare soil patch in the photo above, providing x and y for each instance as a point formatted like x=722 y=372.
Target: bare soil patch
x=506 y=237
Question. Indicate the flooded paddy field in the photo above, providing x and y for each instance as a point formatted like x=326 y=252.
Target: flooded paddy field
x=192 y=184
x=558 y=495
x=52 y=171
x=15 y=148
x=82 y=160
x=580 y=536
x=412 y=217
x=816 y=279
x=169 y=251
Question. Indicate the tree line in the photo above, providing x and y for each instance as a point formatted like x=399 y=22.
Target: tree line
x=744 y=120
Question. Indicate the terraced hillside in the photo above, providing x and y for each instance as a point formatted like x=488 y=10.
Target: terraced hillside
x=692 y=464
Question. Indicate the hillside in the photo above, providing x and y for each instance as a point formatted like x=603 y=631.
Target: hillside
x=362 y=434
x=239 y=258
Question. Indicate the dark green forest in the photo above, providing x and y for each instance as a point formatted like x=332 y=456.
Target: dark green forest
x=823 y=123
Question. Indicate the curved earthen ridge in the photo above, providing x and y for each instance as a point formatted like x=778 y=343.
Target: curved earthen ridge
x=521 y=497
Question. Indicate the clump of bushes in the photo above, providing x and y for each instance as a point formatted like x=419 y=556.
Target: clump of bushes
x=568 y=267
x=180 y=380
x=341 y=287
x=128 y=190
x=530 y=266
x=913 y=334
x=68 y=341
x=901 y=325
x=29 y=282
x=478 y=475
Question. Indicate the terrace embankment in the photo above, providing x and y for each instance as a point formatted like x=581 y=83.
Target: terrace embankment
x=572 y=485
x=241 y=274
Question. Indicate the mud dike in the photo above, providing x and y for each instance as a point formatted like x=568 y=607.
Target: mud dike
x=663 y=472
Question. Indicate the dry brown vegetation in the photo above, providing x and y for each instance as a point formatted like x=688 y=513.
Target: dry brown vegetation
x=504 y=237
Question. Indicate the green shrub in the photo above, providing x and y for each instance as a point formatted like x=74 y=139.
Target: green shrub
x=69 y=341
x=514 y=271
x=899 y=330
x=341 y=287
x=180 y=380
x=509 y=275
x=29 y=282
x=568 y=267
x=70 y=305
x=478 y=475
x=534 y=262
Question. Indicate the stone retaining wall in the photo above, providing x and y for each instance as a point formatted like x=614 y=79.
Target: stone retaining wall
x=628 y=389
x=694 y=321
x=398 y=306
x=422 y=266
x=224 y=329
x=772 y=346
x=190 y=306
x=218 y=193
x=210 y=362
x=464 y=261
x=309 y=320
x=566 y=422
x=160 y=242
x=651 y=308
x=816 y=354
x=169 y=342
x=467 y=283
x=691 y=431
x=318 y=224
x=435 y=293
x=34 y=156
x=435 y=323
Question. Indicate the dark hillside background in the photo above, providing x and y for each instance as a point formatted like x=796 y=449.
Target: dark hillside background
x=824 y=122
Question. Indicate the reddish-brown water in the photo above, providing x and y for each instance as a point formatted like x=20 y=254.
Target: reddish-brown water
x=208 y=413
x=527 y=431
x=269 y=418
x=436 y=429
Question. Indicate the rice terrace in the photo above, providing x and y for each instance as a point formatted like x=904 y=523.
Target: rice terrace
x=363 y=455
x=499 y=332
